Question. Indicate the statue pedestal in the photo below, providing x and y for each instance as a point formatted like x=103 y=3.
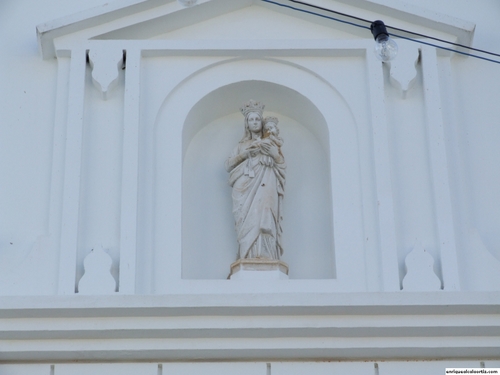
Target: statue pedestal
x=258 y=269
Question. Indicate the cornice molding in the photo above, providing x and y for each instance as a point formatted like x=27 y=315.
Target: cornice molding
x=131 y=14
x=257 y=327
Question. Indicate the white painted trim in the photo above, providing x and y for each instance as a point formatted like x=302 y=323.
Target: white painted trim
x=439 y=170
x=386 y=220
x=58 y=147
x=72 y=173
x=279 y=304
x=130 y=168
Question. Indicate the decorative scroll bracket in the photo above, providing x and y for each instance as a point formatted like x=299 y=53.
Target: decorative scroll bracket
x=420 y=276
x=106 y=64
x=97 y=278
x=403 y=72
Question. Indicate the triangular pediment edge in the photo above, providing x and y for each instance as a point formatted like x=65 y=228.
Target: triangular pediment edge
x=138 y=14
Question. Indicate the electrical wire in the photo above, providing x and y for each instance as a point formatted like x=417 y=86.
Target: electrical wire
x=316 y=14
x=392 y=34
x=395 y=28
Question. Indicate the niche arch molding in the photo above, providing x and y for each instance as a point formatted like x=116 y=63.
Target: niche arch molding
x=204 y=104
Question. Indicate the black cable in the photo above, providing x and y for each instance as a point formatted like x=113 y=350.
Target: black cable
x=317 y=14
x=395 y=28
x=395 y=35
x=331 y=11
x=447 y=49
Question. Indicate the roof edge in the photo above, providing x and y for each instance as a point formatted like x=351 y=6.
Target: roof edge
x=46 y=32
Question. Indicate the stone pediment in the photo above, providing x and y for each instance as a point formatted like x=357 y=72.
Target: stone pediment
x=243 y=20
x=175 y=76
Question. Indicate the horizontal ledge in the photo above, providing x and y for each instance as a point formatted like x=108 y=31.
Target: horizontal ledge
x=249 y=48
x=137 y=333
x=248 y=349
x=159 y=48
x=392 y=303
x=245 y=326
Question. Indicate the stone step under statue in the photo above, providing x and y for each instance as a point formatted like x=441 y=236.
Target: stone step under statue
x=258 y=269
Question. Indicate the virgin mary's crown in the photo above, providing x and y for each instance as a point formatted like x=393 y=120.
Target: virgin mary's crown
x=252 y=106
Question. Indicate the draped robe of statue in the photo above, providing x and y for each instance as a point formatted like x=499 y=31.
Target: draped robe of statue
x=258 y=186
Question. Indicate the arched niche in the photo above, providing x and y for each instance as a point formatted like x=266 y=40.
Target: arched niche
x=185 y=219
x=211 y=130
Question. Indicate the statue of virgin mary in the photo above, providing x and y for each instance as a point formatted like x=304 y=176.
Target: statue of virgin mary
x=257 y=175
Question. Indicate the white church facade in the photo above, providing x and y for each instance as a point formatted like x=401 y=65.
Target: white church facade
x=118 y=245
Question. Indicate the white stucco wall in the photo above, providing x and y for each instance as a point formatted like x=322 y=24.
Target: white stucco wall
x=28 y=90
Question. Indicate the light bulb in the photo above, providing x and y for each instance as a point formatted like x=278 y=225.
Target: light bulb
x=386 y=48
x=187 y=3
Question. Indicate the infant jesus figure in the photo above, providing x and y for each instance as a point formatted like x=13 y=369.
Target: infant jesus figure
x=270 y=135
x=271 y=132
